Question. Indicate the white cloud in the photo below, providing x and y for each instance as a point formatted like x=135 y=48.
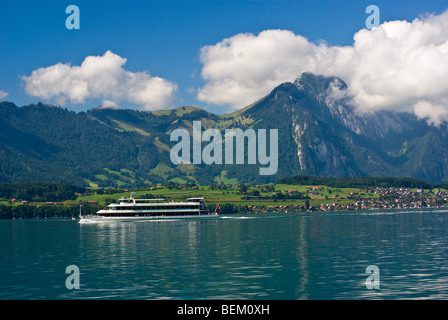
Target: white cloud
x=3 y=94
x=101 y=77
x=245 y=67
x=398 y=66
x=107 y=104
x=434 y=113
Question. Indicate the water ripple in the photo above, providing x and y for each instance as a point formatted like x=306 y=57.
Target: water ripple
x=313 y=256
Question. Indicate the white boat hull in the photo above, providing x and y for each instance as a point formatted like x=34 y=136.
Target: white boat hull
x=96 y=218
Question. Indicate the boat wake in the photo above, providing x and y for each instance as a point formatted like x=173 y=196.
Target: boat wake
x=88 y=221
x=236 y=218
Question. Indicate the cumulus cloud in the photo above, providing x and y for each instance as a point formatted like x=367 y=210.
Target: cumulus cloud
x=100 y=77
x=398 y=65
x=245 y=67
x=3 y=94
x=107 y=104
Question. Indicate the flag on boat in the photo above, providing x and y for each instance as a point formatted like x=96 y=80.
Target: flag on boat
x=218 y=208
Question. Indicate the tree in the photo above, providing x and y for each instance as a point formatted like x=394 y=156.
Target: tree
x=243 y=188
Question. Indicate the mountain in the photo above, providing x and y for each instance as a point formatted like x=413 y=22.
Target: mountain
x=330 y=139
x=319 y=133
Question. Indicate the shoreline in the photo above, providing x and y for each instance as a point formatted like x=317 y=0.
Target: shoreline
x=263 y=214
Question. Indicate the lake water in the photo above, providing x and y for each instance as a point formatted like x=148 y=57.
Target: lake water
x=312 y=256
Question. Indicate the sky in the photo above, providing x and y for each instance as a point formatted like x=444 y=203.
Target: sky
x=223 y=55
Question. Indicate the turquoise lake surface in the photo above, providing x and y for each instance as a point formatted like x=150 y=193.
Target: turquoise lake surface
x=263 y=257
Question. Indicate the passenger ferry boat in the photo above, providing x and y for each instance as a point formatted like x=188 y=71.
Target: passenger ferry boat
x=147 y=209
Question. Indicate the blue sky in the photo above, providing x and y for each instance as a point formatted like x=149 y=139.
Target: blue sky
x=164 y=38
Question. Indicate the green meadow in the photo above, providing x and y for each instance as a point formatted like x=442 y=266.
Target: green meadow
x=234 y=195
